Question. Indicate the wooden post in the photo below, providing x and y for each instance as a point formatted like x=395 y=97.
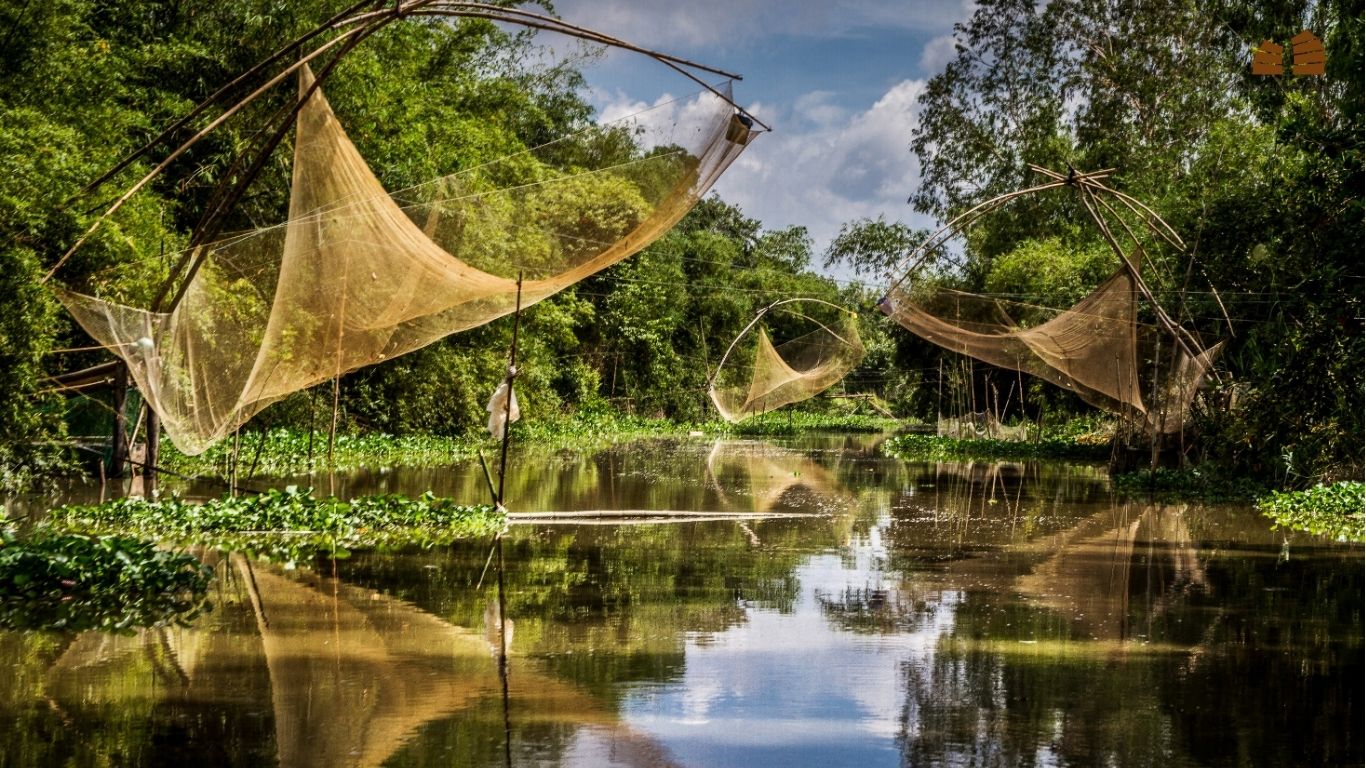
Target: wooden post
x=507 y=402
x=118 y=455
x=939 y=402
x=149 y=472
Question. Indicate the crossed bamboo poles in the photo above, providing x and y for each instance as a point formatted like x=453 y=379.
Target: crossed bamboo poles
x=351 y=27
x=1092 y=191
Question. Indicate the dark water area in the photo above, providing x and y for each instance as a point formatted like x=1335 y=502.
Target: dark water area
x=863 y=612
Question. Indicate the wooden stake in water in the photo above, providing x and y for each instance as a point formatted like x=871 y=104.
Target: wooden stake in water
x=507 y=401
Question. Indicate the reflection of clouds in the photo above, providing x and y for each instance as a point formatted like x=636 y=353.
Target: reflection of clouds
x=793 y=687
x=697 y=702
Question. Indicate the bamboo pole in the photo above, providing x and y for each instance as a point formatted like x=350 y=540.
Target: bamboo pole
x=507 y=402
x=355 y=26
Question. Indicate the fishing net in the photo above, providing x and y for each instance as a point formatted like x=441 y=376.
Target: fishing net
x=357 y=276
x=765 y=377
x=1093 y=349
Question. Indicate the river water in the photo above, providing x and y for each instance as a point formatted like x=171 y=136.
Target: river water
x=841 y=608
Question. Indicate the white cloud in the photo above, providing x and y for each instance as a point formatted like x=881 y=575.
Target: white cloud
x=820 y=173
x=657 y=122
x=937 y=53
x=725 y=23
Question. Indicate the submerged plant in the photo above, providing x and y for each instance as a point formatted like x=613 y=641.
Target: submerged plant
x=67 y=581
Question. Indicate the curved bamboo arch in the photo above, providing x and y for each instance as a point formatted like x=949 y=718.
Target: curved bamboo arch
x=353 y=26
x=1091 y=348
x=798 y=369
x=760 y=315
x=1088 y=185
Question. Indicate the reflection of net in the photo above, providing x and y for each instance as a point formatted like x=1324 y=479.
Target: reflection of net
x=357 y=276
x=353 y=677
x=1093 y=571
x=1091 y=349
x=788 y=373
x=763 y=476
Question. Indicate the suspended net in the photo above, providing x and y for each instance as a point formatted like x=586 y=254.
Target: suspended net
x=759 y=377
x=357 y=276
x=1093 y=349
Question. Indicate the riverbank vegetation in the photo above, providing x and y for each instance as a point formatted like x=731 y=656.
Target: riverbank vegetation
x=935 y=448
x=286 y=451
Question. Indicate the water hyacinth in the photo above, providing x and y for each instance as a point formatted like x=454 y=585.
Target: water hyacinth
x=1337 y=510
x=71 y=582
x=288 y=524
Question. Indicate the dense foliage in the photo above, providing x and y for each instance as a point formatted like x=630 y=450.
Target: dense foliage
x=1262 y=176
x=85 y=82
x=71 y=582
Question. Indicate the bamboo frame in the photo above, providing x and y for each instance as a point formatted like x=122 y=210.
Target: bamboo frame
x=354 y=25
x=711 y=381
x=1089 y=187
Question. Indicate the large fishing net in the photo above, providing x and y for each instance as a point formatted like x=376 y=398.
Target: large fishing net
x=357 y=276
x=759 y=377
x=1094 y=348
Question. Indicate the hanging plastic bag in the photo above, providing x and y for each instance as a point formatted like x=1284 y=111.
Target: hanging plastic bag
x=500 y=410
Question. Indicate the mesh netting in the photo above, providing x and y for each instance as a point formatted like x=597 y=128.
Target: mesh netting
x=1091 y=349
x=357 y=276
x=764 y=377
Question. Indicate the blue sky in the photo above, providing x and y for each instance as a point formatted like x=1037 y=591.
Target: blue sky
x=838 y=81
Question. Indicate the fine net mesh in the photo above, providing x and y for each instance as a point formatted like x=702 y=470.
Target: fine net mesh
x=1093 y=349
x=764 y=377
x=357 y=276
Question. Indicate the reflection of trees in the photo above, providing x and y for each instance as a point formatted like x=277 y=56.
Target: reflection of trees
x=352 y=677
x=953 y=510
x=607 y=605
x=1137 y=642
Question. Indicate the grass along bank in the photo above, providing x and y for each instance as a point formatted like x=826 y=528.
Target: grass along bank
x=290 y=524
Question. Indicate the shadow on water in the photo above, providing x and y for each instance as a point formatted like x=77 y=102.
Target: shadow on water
x=981 y=614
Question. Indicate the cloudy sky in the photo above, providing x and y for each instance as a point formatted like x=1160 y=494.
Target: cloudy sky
x=838 y=81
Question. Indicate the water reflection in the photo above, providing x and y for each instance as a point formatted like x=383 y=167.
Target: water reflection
x=749 y=476
x=917 y=614
x=351 y=676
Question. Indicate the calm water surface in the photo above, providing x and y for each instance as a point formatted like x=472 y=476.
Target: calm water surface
x=891 y=614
